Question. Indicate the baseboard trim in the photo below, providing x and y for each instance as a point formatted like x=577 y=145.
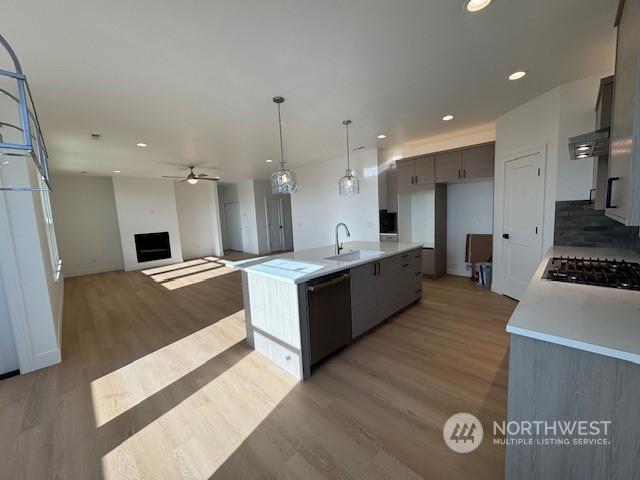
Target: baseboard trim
x=46 y=359
x=93 y=271
x=12 y=373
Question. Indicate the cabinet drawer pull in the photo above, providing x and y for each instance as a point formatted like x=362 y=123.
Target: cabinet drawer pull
x=417 y=273
x=404 y=265
x=405 y=255
x=417 y=256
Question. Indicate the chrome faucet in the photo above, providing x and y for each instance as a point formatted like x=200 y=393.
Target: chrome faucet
x=338 y=244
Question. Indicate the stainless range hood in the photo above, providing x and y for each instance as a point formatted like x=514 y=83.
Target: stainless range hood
x=593 y=144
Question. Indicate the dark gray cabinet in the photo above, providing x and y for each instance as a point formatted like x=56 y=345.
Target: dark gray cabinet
x=381 y=288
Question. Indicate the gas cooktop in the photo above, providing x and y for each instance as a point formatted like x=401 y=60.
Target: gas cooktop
x=590 y=271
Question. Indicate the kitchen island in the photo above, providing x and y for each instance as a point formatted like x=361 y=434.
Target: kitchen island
x=302 y=306
x=575 y=356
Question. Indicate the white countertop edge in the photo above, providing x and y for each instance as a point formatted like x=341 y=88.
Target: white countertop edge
x=328 y=268
x=568 y=342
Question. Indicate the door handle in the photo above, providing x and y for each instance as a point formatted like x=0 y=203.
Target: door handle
x=464 y=173
x=458 y=174
x=505 y=236
x=333 y=281
x=609 y=185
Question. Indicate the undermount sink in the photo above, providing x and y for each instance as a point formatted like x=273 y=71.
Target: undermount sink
x=355 y=255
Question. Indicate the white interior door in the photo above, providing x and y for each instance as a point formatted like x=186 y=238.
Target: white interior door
x=232 y=225
x=275 y=224
x=523 y=218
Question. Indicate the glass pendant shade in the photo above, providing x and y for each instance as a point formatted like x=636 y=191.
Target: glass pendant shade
x=349 y=184
x=283 y=181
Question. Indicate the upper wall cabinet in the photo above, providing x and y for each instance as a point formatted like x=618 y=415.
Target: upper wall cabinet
x=449 y=167
x=415 y=171
x=471 y=163
x=478 y=162
x=623 y=183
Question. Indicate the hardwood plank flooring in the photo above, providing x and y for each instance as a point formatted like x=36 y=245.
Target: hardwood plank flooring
x=158 y=383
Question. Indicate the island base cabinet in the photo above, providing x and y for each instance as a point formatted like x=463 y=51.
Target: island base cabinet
x=549 y=382
x=380 y=289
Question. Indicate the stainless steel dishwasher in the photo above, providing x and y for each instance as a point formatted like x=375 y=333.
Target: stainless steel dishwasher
x=329 y=303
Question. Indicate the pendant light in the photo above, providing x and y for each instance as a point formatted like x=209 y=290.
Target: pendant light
x=284 y=180
x=349 y=184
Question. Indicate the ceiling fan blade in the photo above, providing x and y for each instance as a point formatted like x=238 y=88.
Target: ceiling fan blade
x=215 y=179
x=182 y=181
x=165 y=176
x=202 y=175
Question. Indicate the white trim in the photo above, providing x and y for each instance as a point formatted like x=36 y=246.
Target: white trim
x=59 y=319
x=46 y=359
x=93 y=270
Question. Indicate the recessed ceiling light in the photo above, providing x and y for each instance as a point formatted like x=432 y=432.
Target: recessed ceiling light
x=381 y=136
x=116 y=171
x=448 y=117
x=141 y=145
x=268 y=160
x=517 y=75
x=476 y=5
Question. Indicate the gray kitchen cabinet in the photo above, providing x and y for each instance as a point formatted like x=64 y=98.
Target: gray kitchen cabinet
x=623 y=183
x=364 y=309
x=478 y=162
x=404 y=174
x=424 y=170
x=381 y=288
x=412 y=172
x=449 y=166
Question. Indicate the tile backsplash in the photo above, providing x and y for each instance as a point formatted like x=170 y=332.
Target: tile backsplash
x=579 y=225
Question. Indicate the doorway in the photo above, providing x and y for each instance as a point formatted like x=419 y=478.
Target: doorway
x=232 y=226
x=524 y=180
x=275 y=224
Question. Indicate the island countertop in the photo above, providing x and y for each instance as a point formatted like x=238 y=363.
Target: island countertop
x=316 y=262
x=596 y=319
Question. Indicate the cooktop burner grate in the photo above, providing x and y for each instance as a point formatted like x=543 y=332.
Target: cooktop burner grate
x=590 y=271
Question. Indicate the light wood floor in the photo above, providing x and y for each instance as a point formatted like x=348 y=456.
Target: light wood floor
x=157 y=383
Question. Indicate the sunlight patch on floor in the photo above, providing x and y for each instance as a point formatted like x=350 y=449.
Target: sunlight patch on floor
x=196 y=278
x=181 y=272
x=123 y=389
x=173 y=266
x=195 y=437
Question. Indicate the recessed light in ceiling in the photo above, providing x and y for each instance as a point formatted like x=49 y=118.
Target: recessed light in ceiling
x=517 y=75
x=448 y=117
x=117 y=171
x=141 y=144
x=476 y=5
x=268 y=160
x=382 y=136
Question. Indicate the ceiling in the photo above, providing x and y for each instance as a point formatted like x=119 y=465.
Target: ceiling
x=194 y=79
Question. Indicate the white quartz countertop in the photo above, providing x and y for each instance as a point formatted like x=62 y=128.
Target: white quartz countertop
x=596 y=319
x=304 y=265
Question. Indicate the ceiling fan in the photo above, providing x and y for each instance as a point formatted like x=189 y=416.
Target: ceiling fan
x=193 y=178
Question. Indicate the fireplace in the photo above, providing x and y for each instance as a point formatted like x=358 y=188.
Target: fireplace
x=152 y=246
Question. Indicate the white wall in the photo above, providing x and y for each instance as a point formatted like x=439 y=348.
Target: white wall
x=546 y=122
x=577 y=115
x=86 y=222
x=417 y=217
x=199 y=219
x=469 y=210
x=317 y=208
x=146 y=205
x=8 y=355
